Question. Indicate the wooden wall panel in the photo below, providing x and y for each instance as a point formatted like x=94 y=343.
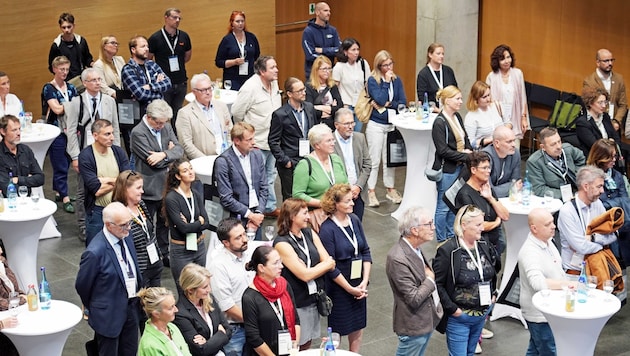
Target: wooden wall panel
x=32 y=25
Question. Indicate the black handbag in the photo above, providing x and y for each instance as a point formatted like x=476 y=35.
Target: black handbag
x=324 y=303
x=396 y=151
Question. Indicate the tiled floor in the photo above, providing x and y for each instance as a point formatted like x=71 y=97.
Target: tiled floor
x=61 y=256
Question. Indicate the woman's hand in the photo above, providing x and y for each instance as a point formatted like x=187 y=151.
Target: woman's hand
x=199 y=340
x=201 y=220
x=9 y=322
x=486 y=192
x=329 y=263
x=524 y=123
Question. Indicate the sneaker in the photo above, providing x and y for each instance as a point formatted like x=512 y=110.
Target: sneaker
x=394 y=196
x=372 y=200
x=478 y=349
x=486 y=334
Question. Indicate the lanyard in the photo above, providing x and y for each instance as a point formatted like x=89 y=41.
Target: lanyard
x=304 y=249
x=502 y=169
x=140 y=221
x=440 y=82
x=331 y=176
x=476 y=262
x=353 y=240
x=299 y=117
x=63 y=93
x=279 y=311
x=170 y=46
x=191 y=208
x=241 y=45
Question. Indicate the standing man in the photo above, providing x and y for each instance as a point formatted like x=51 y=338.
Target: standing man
x=99 y=166
x=319 y=38
x=203 y=125
x=240 y=178
x=230 y=279
x=107 y=282
x=172 y=49
x=352 y=148
x=505 y=161
x=288 y=135
x=613 y=83
x=154 y=145
x=540 y=267
x=72 y=46
x=144 y=79
x=17 y=158
x=417 y=308
x=257 y=99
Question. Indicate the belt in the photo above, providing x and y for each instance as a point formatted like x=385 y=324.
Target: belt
x=573 y=272
x=180 y=242
x=240 y=325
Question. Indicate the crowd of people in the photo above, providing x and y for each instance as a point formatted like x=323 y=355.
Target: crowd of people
x=140 y=207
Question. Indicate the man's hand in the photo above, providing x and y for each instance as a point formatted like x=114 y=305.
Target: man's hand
x=356 y=190
x=170 y=145
x=155 y=157
x=160 y=77
x=256 y=219
x=318 y=50
x=288 y=165
x=75 y=165
x=429 y=273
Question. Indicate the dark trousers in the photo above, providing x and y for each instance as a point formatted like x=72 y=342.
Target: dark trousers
x=127 y=341
x=79 y=204
x=359 y=207
x=286 y=181
x=93 y=223
x=161 y=231
x=175 y=98
x=60 y=163
x=125 y=136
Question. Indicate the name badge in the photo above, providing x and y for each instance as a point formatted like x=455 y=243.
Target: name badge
x=355 y=268
x=485 y=295
x=284 y=342
x=312 y=287
x=304 y=147
x=243 y=69
x=173 y=63
x=567 y=192
x=191 y=241
x=130 y=284
x=152 y=252
x=329 y=35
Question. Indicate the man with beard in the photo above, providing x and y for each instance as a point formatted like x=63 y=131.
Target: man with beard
x=17 y=158
x=505 y=160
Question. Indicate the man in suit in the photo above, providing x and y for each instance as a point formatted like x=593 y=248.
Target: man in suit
x=203 y=125
x=92 y=105
x=417 y=308
x=352 y=148
x=154 y=146
x=288 y=135
x=107 y=282
x=613 y=83
x=240 y=178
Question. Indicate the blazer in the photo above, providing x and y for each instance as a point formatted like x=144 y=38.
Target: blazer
x=312 y=96
x=543 y=177
x=232 y=184
x=111 y=80
x=229 y=49
x=195 y=133
x=109 y=112
x=190 y=323
x=143 y=141
x=380 y=93
x=617 y=93
x=362 y=160
x=415 y=311
x=447 y=150
x=285 y=133
x=588 y=132
x=101 y=285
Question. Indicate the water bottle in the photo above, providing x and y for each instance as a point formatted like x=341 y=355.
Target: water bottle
x=527 y=191
x=44 y=291
x=582 y=287
x=224 y=143
x=31 y=297
x=12 y=194
x=21 y=116
x=329 y=347
x=425 y=108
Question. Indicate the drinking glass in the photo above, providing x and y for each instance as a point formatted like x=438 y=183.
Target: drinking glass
x=548 y=196
x=23 y=193
x=227 y=84
x=545 y=293
x=14 y=302
x=609 y=286
x=270 y=232
x=412 y=106
x=35 y=199
x=592 y=284
x=336 y=338
x=401 y=108
x=251 y=234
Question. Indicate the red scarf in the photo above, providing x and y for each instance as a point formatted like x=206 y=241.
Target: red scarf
x=278 y=292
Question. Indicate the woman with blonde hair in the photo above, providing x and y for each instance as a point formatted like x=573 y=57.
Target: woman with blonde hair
x=322 y=91
x=435 y=75
x=484 y=115
x=199 y=318
x=386 y=90
x=110 y=66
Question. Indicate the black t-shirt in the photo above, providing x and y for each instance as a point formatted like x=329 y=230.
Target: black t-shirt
x=161 y=52
x=468 y=195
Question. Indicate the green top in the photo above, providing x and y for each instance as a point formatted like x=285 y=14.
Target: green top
x=155 y=343
x=312 y=186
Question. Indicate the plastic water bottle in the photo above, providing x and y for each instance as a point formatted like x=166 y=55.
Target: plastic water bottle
x=44 y=291
x=21 y=116
x=582 y=287
x=224 y=143
x=329 y=347
x=527 y=191
x=12 y=194
x=425 y=108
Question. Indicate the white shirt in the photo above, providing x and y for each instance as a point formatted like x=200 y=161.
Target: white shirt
x=247 y=168
x=348 y=157
x=230 y=279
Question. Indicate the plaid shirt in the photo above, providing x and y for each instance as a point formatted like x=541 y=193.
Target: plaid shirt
x=134 y=77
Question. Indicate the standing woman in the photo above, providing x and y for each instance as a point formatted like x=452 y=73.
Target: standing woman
x=237 y=51
x=466 y=270
x=451 y=153
x=350 y=73
x=269 y=307
x=508 y=88
x=10 y=104
x=322 y=92
x=386 y=88
x=484 y=115
x=306 y=261
x=435 y=75
x=343 y=237
x=186 y=217
x=54 y=94
x=110 y=66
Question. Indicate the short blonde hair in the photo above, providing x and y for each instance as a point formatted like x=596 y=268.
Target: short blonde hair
x=152 y=298
x=317 y=132
x=447 y=93
x=194 y=276
x=464 y=215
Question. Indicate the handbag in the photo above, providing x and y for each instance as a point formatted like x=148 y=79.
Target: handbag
x=363 y=108
x=396 y=150
x=432 y=174
x=324 y=303
x=565 y=112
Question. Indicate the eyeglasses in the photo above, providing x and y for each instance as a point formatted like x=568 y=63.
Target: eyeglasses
x=113 y=43
x=387 y=65
x=124 y=226
x=611 y=60
x=63 y=69
x=326 y=69
x=175 y=17
x=95 y=80
x=303 y=90
x=429 y=224
x=602 y=102
x=347 y=124
x=484 y=168
x=203 y=90
x=131 y=173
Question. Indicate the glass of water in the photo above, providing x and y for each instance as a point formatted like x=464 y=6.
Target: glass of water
x=609 y=286
x=548 y=196
x=23 y=193
x=14 y=303
x=592 y=284
x=35 y=199
x=270 y=232
x=227 y=85
x=402 y=108
x=251 y=234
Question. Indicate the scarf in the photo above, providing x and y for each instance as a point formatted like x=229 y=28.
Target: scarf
x=278 y=292
x=457 y=130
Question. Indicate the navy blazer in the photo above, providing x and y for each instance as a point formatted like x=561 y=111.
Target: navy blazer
x=285 y=133
x=588 y=132
x=190 y=323
x=228 y=49
x=232 y=184
x=101 y=285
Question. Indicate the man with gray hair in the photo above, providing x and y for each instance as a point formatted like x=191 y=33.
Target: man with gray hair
x=417 y=308
x=154 y=146
x=505 y=161
x=203 y=126
x=574 y=217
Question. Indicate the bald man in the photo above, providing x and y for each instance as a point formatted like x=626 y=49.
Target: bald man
x=505 y=161
x=540 y=267
x=319 y=38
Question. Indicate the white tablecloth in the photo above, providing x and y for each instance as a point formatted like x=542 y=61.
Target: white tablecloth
x=203 y=168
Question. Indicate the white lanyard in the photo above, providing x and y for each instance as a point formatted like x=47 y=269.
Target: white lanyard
x=583 y=220
x=353 y=239
x=304 y=249
x=299 y=117
x=241 y=45
x=502 y=169
x=440 y=82
x=279 y=311
x=476 y=262
x=191 y=208
x=331 y=176
x=170 y=46
x=66 y=98
x=140 y=221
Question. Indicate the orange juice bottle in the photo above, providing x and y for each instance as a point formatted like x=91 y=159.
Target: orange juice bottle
x=570 y=299
x=31 y=297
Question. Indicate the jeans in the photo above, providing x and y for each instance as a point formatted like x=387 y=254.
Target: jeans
x=93 y=224
x=270 y=171
x=376 y=136
x=60 y=163
x=444 y=217
x=412 y=345
x=175 y=98
x=541 y=341
x=462 y=333
x=237 y=341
